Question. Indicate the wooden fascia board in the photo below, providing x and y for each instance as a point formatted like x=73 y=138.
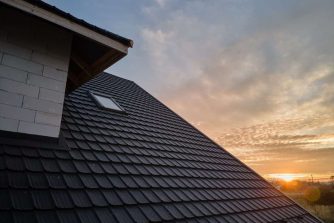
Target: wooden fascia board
x=66 y=23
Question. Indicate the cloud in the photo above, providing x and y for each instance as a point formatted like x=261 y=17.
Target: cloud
x=161 y=3
x=255 y=74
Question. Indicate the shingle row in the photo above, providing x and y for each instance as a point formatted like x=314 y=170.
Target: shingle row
x=25 y=199
x=152 y=165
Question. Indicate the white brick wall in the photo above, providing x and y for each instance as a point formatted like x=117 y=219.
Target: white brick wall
x=54 y=73
x=38 y=129
x=34 y=59
x=8 y=98
x=18 y=113
x=18 y=87
x=13 y=74
x=9 y=124
x=45 y=82
x=50 y=95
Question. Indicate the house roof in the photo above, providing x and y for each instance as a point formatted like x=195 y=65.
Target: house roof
x=55 y=10
x=145 y=165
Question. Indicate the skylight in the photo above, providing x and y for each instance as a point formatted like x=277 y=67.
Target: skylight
x=106 y=101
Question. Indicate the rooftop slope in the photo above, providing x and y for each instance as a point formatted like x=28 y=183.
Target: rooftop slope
x=148 y=165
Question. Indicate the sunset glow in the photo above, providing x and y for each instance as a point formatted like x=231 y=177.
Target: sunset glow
x=287 y=177
x=261 y=86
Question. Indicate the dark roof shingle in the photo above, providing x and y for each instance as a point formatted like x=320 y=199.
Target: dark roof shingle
x=147 y=164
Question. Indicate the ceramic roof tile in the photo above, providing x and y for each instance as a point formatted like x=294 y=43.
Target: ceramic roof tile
x=21 y=199
x=150 y=213
x=38 y=181
x=6 y=202
x=22 y=217
x=97 y=198
x=88 y=155
x=136 y=214
x=104 y=215
x=101 y=156
x=202 y=209
x=162 y=212
x=11 y=150
x=95 y=167
x=112 y=197
x=66 y=166
x=14 y=163
x=50 y=165
x=30 y=152
x=46 y=217
x=176 y=213
x=80 y=198
x=87 y=215
x=33 y=164
x=62 y=199
x=141 y=182
x=162 y=196
x=120 y=169
x=56 y=181
x=88 y=181
x=4 y=180
x=172 y=195
x=103 y=181
x=122 y=215
x=73 y=181
x=46 y=153
x=125 y=197
x=82 y=167
x=144 y=165
x=42 y=199
x=18 y=180
x=184 y=210
x=116 y=181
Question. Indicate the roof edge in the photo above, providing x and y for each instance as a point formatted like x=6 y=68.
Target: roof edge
x=56 y=16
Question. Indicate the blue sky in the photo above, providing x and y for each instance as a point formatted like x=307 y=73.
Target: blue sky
x=255 y=75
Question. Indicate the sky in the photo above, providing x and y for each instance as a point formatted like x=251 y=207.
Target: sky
x=256 y=76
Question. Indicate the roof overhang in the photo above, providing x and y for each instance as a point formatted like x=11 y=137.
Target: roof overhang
x=93 y=49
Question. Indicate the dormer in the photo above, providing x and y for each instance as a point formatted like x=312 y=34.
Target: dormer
x=44 y=54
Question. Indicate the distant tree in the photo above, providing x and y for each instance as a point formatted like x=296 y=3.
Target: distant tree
x=324 y=195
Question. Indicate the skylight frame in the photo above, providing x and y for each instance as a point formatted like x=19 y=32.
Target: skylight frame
x=93 y=94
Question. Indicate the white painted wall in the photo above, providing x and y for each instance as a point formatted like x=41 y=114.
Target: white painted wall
x=34 y=60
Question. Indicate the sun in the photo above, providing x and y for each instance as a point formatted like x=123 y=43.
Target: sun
x=287 y=177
